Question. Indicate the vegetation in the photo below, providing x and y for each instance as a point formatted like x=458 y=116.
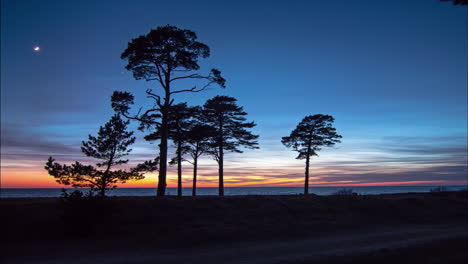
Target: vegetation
x=165 y=55
x=198 y=143
x=345 y=192
x=110 y=146
x=180 y=122
x=310 y=135
x=230 y=126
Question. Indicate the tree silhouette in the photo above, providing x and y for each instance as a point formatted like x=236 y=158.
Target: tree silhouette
x=165 y=55
x=198 y=139
x=230 y=126
x=180 y=121
x=110 y=145
x=309 y=136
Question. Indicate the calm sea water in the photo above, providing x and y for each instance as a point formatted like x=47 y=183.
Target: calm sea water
x=54 y=192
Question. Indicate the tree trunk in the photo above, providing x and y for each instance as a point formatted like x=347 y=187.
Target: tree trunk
x=163 y=151
x=194 y=187
x=221 y=171
x=179 y=169
x=309 y=149
x=306 y=184
x=102 y=192
x=221 y=159
x=106 y=174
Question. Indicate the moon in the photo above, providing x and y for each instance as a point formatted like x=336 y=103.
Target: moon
x=36 y=48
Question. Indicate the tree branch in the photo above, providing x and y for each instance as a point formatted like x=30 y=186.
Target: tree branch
x=138 y=116
x=191 y=76
x=156 y=97
x=158 y=72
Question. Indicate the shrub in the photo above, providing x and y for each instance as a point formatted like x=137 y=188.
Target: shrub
x=344 y=192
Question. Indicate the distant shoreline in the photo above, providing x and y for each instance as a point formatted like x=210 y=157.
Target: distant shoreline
x=7 y=193
x=311 y=186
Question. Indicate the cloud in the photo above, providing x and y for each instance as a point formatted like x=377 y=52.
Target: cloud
x=17 y=138
x=22 y=146
x=389 y=159
x=437 y=174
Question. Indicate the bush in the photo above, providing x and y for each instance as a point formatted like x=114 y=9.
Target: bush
x=75 y=195
x=345 y=192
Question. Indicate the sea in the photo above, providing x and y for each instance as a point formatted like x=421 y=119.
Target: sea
x=211 y=191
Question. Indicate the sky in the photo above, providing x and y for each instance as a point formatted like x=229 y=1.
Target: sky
x=393 y=74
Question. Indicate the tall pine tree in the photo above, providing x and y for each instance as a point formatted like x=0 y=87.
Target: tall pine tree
x=230 y=126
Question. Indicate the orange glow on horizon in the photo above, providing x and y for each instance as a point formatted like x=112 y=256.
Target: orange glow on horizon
x=32 y=178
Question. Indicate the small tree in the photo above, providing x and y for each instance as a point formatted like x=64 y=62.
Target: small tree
x=165 y=55
x=230 y=126
x=198 y=139
x=310 y=135
x=109 y=147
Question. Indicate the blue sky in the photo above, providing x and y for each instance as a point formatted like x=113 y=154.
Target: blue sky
x=392 y=73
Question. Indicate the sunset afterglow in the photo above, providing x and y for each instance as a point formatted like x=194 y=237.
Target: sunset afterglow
x=396 y=88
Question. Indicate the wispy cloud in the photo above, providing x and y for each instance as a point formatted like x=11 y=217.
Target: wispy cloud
x=385 y=160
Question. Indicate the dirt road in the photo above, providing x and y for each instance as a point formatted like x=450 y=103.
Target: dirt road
x=264 y=252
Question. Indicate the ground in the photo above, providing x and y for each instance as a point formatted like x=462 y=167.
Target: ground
x=241 y=229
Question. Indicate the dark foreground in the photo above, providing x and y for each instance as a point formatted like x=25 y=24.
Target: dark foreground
x=406 y=228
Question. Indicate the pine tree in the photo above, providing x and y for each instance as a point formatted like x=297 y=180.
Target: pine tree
x=309 y=136
x=198 y=143
x=110 y=146
x=230 y=126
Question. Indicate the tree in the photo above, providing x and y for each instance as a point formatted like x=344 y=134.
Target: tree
x=310 y=135
x=165 y=55
x=230 y=126
x=180 y=121
x=109 y=147
x=198 y=139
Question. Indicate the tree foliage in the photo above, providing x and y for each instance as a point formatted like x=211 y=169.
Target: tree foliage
x=199 y=139
x=109 y=147
x=229 y=122
x=111 y=143
x=180 y=120
x=311 y=134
